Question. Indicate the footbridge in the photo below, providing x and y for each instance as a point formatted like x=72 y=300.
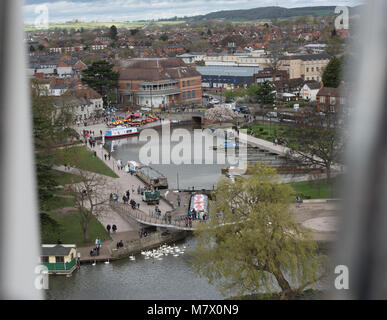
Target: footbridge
x=152 y=219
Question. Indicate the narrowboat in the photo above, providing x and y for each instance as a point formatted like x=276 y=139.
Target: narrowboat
x=199 y=202
x=121 y=132
x=152 y=177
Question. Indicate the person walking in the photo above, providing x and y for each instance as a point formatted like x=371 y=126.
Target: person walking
x=114 y=228
x=105 y=156
x=108 y=227
x=178 y=200
x=109 y=156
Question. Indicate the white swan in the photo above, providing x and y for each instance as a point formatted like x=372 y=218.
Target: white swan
x=107 y=262
x=94 y=263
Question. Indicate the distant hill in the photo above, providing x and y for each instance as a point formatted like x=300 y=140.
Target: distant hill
x=268 y=13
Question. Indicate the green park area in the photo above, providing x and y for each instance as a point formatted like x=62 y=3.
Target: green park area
x=266 y=132
x=318 y=189
x=81 y=158
x=64 y=224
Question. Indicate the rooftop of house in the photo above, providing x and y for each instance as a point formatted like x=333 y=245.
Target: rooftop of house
x=155 y=69
x=332 y=92
x=57 y=249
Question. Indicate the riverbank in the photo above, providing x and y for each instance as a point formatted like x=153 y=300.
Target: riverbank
x=134 y=246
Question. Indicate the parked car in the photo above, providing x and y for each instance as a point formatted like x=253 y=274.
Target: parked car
x=271 y=114
x=243 y=109
x=145 y=109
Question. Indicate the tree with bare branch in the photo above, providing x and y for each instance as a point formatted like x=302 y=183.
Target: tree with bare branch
x=316 y=141
x=90 y=197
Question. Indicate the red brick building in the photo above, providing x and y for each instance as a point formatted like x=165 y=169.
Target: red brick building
x=159 y=82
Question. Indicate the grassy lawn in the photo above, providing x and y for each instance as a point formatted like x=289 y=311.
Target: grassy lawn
x=318 y=189
x=58 y=202
x=65 y=224
x=81 y=158
x=266 y=132
x=62 y=178
x=69 y=229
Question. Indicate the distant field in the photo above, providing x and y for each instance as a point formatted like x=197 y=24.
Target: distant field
x=93 y=25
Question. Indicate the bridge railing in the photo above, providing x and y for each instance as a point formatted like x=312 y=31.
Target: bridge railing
x=152 y=218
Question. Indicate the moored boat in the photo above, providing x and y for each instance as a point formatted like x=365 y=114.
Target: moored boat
x=152 y=177
x=121 y=131
x=199 y=202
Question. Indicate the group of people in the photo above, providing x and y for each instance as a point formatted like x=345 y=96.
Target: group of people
x=95 y=251
x=92 y=143
x=107 y=156
x=113 y=228
x=120 y=166
x=195 y=215
x=87 y=133
x=120 y=244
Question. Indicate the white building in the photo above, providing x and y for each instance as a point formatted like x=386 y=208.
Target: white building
x=309 y=90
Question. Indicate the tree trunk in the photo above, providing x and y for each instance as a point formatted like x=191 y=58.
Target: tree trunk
x=328 y=171
x=86 y=231
x=287 y=292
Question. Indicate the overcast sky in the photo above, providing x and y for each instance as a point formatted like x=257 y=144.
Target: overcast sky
x=131 y=10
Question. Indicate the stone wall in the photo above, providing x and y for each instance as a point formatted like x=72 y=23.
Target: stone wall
x=145 y=243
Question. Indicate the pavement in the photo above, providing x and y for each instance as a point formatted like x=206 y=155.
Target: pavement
x=278 y=149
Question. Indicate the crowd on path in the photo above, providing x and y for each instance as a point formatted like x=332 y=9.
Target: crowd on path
x=95 y=251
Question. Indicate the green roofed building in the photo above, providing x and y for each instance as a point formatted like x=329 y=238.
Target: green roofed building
x=59 y=258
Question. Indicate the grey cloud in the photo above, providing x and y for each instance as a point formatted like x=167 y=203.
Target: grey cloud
x=128 y=10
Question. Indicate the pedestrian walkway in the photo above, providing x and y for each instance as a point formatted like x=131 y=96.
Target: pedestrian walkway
x=278 y=149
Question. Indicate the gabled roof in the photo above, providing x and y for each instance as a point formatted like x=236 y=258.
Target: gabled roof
x=313 y=85
x=56 y=250
x=332 y=92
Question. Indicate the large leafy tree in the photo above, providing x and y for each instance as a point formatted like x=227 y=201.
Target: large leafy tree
x=113 y=32
x=49 y=127
x=253 y=242
x=316 y=141
x=101 y=77
x=263 y=93
x=332 y=74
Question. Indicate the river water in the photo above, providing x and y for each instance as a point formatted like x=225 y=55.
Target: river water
x=169 y=279
x=203 y=169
